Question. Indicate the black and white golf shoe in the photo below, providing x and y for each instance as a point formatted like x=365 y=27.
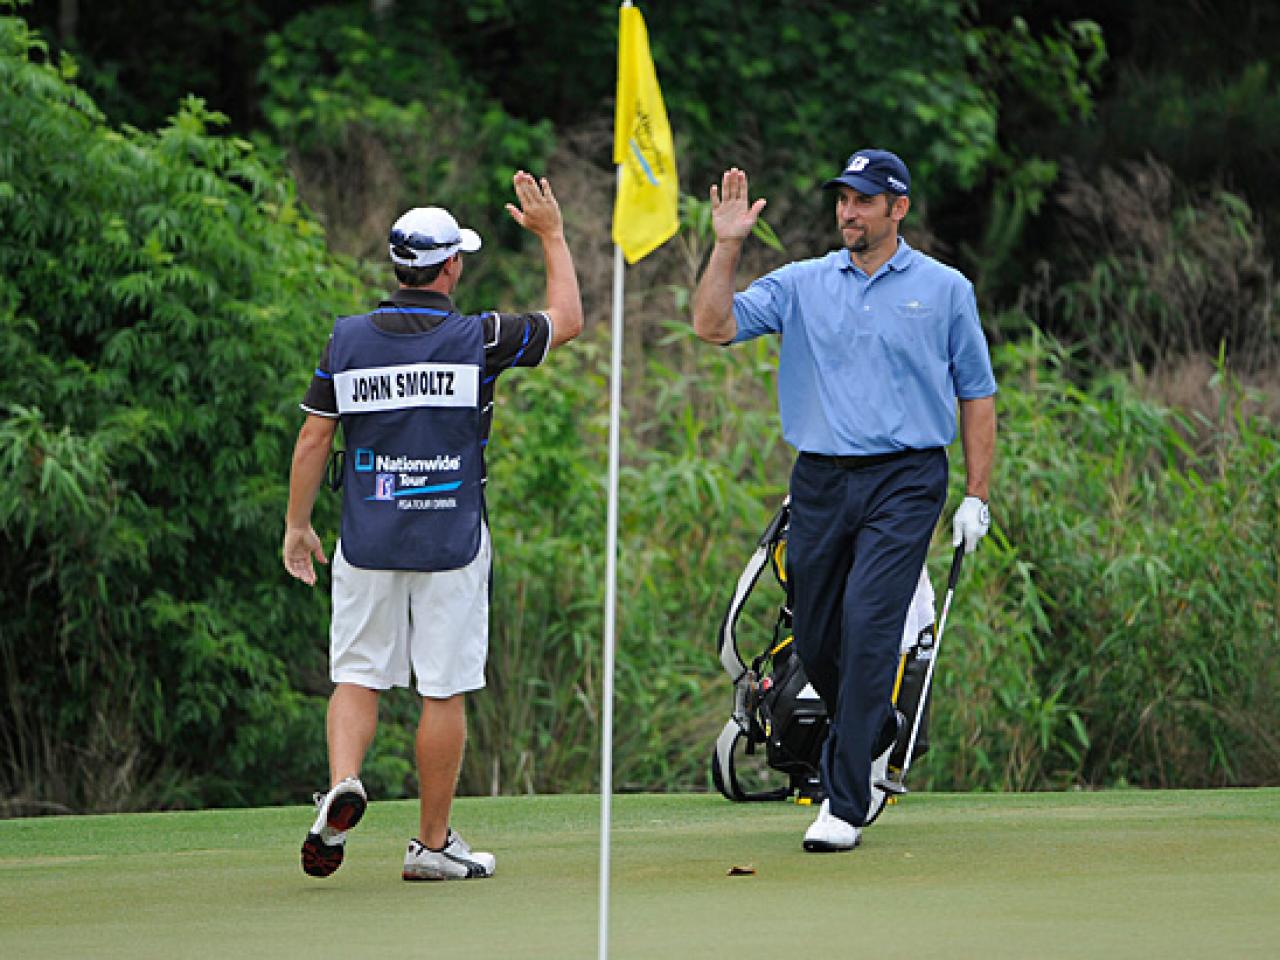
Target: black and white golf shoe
x=336 y=812
x=455 y=862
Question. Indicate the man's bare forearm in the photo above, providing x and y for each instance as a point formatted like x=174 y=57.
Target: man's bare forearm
x=978 y=436
x=713 y=300
x=310 y=456
x=564 y=300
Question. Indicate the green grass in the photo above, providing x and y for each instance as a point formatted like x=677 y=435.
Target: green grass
x=1120 y=874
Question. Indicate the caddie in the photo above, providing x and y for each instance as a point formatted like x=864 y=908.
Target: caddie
x=412 y=385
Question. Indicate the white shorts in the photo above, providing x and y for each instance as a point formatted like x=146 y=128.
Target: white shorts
x=388 y=622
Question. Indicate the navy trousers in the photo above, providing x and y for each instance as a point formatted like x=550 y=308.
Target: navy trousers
x=859 y=536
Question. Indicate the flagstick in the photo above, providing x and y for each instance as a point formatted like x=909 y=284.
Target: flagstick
x=610 y=596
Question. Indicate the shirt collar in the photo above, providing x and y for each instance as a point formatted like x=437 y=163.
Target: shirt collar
x=418 y=297
x=901 y=259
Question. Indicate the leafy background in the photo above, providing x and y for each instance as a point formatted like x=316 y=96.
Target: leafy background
x=188 y=194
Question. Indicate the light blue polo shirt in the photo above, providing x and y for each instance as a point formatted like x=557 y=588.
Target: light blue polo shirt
x=869 y=365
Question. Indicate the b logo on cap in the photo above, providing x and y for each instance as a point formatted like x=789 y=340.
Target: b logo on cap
x=857 y=165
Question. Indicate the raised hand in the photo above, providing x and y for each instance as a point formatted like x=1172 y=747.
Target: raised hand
x=538 y=211
x=732 y=214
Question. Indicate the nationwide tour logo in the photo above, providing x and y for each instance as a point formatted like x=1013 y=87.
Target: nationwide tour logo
x=397 y=477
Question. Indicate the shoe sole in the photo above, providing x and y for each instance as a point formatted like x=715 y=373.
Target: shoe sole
x=478 y=873
x=414 y=878
x=345 y=811
x=824 y=846
x=320 y=859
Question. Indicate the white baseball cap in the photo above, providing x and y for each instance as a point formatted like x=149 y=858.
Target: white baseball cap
x=425 y=236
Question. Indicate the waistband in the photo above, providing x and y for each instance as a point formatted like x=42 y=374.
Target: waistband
x=860 y=463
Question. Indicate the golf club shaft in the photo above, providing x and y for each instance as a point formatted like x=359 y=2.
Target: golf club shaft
x=933 y=662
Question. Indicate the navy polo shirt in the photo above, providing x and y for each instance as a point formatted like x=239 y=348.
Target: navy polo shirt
x=869 y=365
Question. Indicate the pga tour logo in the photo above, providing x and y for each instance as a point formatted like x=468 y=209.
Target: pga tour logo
x=384 y=486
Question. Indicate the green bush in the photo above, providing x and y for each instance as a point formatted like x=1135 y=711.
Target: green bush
x=1118 y=626
x=372 y=126
x=162 y=300
x=788 y=89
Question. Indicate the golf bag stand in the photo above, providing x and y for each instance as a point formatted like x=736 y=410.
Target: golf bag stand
x=775 y=706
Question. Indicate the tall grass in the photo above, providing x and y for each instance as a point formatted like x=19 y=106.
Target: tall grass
x=689 y=488
x=1118 y=626
x=1150 y=269
x=1115 y=628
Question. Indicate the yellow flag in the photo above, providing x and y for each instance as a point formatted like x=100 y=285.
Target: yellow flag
x=646 y=210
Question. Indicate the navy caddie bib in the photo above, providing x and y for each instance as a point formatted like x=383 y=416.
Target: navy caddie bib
x=410 y=409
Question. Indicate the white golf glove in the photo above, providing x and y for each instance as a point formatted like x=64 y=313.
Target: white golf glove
x=970 y=523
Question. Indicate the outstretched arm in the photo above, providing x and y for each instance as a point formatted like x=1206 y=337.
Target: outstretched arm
x=539 y=213
x=732 y=216
x=310 y=454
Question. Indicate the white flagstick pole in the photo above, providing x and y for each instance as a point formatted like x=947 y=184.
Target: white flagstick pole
x=610 y=594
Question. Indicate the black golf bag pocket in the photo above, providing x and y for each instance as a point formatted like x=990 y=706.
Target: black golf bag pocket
x=795 y=723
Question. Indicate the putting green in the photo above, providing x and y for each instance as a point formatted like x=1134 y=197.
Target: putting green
x=1118 y=874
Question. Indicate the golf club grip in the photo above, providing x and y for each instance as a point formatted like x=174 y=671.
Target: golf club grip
x=955 y=567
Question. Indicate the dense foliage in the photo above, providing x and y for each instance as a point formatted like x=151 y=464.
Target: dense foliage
x=165 y=288
x=367 y=140
x=1121 y=626
x=160 y=295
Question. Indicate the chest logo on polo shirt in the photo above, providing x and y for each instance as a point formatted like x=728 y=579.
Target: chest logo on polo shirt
x=913 y=310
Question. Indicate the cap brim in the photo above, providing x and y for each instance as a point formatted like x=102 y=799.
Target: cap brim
x=861 y=184
x=469 y=242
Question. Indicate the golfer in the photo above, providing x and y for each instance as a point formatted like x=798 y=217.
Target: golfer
x=412 y=384
x=879 y=341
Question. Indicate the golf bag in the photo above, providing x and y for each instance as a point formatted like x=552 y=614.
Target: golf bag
x=776 y=707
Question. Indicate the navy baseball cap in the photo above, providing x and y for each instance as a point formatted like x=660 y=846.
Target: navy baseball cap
x=873 y=172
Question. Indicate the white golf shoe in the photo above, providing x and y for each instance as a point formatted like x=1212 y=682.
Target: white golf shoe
x=829 y=834
x=336 y=812
x=456 y=861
